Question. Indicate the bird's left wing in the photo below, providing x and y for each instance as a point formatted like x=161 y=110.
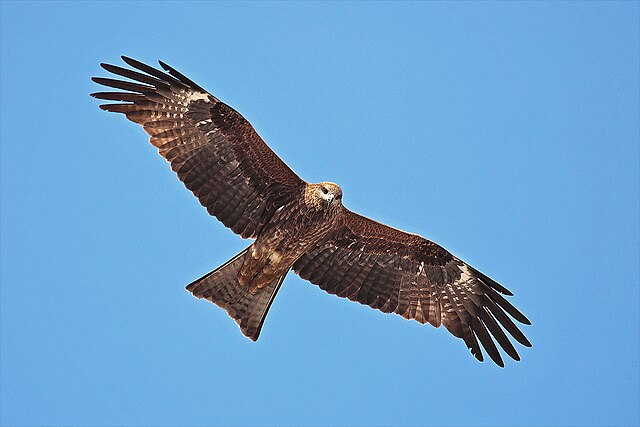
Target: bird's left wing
x=215 y=151
x=395 y=271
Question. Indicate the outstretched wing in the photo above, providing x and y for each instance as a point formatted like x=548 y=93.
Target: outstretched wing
x=395 y=271
x=214 y=151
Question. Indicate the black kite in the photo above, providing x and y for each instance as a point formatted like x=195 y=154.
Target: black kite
x=220 y=157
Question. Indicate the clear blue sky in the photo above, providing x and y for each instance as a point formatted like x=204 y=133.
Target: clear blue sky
x=507 y=132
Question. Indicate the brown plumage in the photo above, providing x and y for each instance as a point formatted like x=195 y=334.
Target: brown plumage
x=220 y=157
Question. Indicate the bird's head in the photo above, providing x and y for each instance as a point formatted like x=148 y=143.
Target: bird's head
x=324 y=195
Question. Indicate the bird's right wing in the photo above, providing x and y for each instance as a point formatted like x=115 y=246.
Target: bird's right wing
x=214 y=151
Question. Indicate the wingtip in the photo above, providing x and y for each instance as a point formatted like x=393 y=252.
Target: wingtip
x=498 y=361
x=477 y=354
x=118 y=108
x=164 y=66
x=132 y=62
x=128 y=59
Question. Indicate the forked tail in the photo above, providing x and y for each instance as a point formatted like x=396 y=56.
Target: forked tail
x=222 y=288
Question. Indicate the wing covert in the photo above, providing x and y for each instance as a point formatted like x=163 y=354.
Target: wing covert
x=394 y=271
x=214 y=151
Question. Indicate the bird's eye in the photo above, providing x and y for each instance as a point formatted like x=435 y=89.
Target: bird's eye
x=339 y=196
x=324 y=190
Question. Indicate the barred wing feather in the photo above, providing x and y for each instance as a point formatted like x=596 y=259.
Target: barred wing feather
x=214 y=151
x=394 y=271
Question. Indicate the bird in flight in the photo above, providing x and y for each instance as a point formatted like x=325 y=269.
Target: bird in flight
x=220 y=157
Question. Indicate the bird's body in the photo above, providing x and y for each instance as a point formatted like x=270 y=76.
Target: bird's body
x=292 y=231
x=296 y=225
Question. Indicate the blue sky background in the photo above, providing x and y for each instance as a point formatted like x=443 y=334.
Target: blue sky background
x=507 y=132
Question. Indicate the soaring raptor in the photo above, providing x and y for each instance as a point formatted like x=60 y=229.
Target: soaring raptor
x=296 y=225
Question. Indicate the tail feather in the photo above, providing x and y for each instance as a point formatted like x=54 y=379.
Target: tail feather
x=222 y=288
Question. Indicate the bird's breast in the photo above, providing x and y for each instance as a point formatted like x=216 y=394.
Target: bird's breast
x=291 y=232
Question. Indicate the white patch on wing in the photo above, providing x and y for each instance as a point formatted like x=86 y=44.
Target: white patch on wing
x=466 y=274
x=198 y=96
x=465 y=282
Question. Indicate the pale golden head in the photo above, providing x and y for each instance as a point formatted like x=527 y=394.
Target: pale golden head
x=324 y=195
